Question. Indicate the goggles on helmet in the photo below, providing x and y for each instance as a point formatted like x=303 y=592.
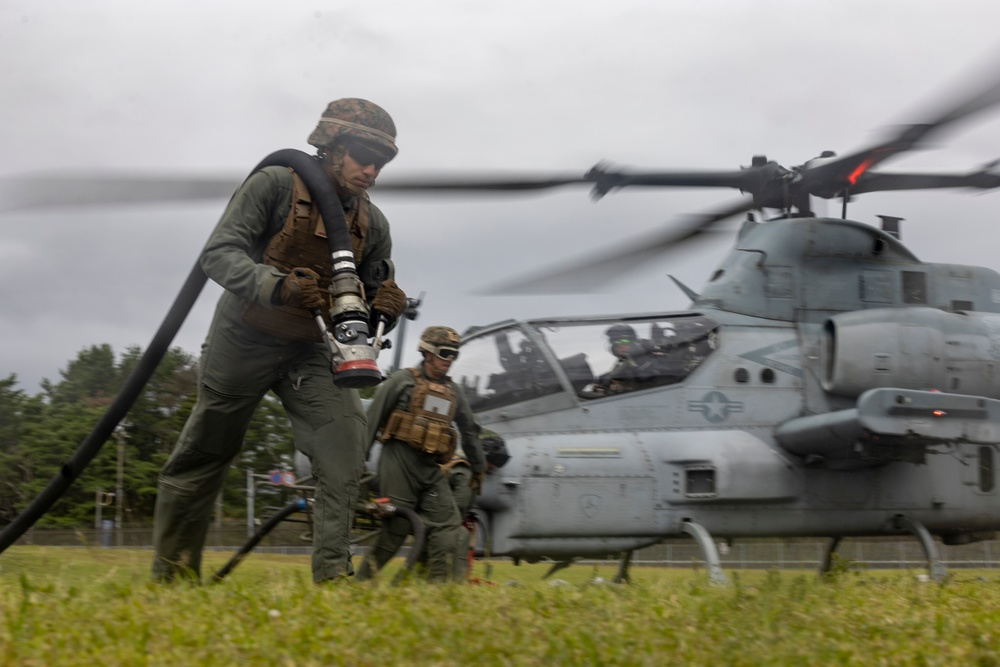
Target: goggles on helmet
x=446 y=353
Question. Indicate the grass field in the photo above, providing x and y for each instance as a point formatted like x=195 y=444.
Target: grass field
x=62 y=606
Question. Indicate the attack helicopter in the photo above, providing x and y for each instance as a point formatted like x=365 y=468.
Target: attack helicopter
x=824 y=382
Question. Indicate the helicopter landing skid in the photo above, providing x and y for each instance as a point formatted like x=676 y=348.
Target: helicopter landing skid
x=622 y=577
x=935 y=566
x=827 y=564
x=708 y=552
x=559 y=565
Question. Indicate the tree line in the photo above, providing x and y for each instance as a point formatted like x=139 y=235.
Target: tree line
x=38 y=433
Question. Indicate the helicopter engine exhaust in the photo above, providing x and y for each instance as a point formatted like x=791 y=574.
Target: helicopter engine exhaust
x=911 y=348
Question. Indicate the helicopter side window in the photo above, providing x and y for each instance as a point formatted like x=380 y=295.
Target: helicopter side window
x=636 y=354
x=502 y=369
x=914 y=287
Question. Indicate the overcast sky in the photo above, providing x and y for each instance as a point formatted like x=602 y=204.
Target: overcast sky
x=502 y=87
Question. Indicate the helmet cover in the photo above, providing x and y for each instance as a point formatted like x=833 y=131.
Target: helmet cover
x=352 y=117
x=436 y=337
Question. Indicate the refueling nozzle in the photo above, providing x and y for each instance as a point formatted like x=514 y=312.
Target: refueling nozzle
x=353 y=358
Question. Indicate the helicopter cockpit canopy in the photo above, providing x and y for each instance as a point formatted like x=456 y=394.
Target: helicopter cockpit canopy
x=514 y=362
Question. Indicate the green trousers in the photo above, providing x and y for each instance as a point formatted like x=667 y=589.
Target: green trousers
x=238 y=366
x=458 y=479
x=414 y=480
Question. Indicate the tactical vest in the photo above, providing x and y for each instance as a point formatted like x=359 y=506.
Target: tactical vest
x=425 y=424
x=301 y=242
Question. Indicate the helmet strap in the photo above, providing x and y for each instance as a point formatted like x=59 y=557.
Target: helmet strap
x=334 y=157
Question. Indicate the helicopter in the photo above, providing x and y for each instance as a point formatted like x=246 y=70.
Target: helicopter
x=823 y=382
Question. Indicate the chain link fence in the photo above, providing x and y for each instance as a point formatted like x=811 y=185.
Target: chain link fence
x=791 y=554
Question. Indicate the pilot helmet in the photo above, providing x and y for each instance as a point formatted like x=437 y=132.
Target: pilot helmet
x=440 y=341
x=355 y=118
x=620 y=333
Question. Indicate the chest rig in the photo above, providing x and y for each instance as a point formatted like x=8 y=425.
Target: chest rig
x=301 y=242
x=425 y=424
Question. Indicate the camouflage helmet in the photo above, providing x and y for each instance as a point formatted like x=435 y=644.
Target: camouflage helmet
x=620 y=331
x=357 y=118
x=433 y=339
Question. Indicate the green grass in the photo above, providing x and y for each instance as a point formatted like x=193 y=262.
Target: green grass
x=61 y=606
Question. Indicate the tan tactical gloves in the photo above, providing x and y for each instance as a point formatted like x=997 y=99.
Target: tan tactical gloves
x=389 y=300
x=301 y=288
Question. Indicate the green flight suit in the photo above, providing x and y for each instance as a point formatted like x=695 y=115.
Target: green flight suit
x=414 y=480
x=240 y=364
x=459 y=477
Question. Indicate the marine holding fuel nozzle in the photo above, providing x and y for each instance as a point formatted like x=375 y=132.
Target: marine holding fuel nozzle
x=341 y=319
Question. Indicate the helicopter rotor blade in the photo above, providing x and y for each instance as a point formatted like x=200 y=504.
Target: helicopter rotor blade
x=44 y=190
x=831 y=176
x=447 y=183
x=65 y=189
x=592 y=273
x=877 y=181
x=603 y=178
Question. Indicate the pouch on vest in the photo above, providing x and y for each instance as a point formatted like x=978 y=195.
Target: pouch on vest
x=418 y=429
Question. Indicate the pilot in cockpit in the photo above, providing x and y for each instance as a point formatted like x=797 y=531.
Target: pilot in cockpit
x=639 y=363
x=625 y=345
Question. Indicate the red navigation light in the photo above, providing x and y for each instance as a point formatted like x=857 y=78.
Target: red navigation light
x=853 y=177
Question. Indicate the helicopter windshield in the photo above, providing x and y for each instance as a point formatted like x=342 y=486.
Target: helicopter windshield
x=597 y=358
x=503 y=368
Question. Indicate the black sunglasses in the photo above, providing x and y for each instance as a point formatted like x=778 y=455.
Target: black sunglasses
x=365 y=155
x=446 y=353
